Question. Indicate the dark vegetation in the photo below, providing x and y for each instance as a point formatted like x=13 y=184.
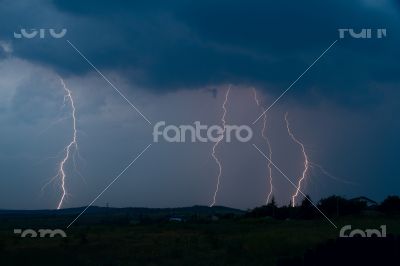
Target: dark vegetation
x=267 y=235
x=333 y=206
x=350 y=251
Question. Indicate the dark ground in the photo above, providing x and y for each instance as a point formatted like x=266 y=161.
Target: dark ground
x=146 y=237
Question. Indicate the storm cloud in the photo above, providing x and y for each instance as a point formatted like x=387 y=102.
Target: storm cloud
x=183 y=45
x=174 y=60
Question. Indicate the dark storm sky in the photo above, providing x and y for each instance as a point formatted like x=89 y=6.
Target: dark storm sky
x=165 y=56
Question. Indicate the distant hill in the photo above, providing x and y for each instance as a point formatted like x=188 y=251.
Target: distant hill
x=131 y=211
x=105 y=215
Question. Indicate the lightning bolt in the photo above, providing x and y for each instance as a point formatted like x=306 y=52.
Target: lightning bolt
x=72 y=146
x=306 y=161
x=328 y=174
x=213 y=154
x=263 y=134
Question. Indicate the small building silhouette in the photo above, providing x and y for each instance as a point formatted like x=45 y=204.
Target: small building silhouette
x=368 y=202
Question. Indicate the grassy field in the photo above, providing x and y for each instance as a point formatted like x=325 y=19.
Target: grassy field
x=225 y=242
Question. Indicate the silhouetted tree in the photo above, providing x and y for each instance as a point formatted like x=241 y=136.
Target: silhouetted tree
x=272 y=206
x=306 y=202
x=336 y=206
x=390 y=205
x=273 y=202
x=263 y=211
x=306 y=208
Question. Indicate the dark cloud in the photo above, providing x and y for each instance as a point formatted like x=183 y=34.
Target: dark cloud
x=185 y=44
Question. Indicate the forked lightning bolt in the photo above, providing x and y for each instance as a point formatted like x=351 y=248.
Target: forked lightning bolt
x=306 y=161
x=221 y=137
x=73 y=145
x=263 y=134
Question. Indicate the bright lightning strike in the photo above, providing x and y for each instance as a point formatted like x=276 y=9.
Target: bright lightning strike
x=306 y=161
x=268 y=145
x=73 y=145
x=213 y=154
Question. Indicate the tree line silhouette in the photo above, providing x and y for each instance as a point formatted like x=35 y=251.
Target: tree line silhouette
x=333 y=206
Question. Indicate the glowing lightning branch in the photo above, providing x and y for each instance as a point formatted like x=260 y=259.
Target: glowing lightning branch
x=328 y=174
x=72 y=145
x=306 y=161
x=213 y=154
x=268 y=145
